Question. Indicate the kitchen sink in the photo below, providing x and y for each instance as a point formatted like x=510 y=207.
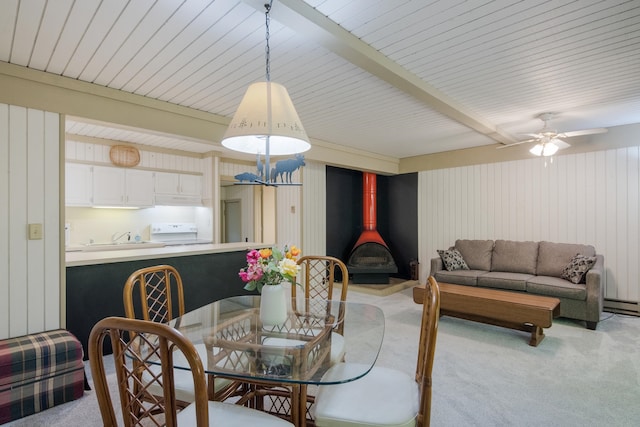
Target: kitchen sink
x=121 y=246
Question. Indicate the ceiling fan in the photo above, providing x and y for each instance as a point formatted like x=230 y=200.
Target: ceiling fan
x=548 y=140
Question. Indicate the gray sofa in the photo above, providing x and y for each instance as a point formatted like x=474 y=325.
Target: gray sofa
x=532 y=267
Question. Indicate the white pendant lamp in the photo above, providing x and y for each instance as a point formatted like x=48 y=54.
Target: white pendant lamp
x=266 y=122
x=266 y=115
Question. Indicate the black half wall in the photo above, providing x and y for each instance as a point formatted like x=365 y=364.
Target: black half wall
x=397 y=215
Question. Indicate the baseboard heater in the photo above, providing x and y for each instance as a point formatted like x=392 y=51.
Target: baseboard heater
x=622 y=307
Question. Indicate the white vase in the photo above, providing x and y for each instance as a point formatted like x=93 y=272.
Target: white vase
x=273 y=305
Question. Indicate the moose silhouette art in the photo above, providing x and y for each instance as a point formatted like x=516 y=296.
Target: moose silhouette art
x=285 y=168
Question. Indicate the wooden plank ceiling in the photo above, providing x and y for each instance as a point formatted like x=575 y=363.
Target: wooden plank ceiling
x=399 y=78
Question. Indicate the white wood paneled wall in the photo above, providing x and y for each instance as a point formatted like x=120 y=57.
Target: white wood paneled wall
x=589 y=198
x=314 y=209
x=230 y=169
x=29 y=193
x=288 y=207
x=99 y=153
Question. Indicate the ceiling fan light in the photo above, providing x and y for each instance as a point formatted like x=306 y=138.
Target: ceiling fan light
x=544 y=149
x=549 y=149
x=537 y=150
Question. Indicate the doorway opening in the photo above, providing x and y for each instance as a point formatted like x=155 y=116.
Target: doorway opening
x=232 y=221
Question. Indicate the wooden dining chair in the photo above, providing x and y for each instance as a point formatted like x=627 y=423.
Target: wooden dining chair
x=152 y=344
x=160 y=291
x=385 y=396
x=158 y=294
x=317 y=277
x=317 y=280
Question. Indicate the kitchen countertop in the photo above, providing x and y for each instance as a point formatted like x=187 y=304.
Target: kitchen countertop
x=74 y=259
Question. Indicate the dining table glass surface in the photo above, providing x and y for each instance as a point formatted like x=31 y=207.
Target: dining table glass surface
x=298 y=351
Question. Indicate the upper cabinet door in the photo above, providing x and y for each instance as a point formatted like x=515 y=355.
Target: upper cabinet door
x=191 y=185
x=139 y=188
x=108 y=186
x=78 y=184
x=167 y=183
x=178 y=189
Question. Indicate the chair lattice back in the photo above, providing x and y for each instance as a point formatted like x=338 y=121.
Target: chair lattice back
x=317 y=278
x=159 y=288
x=150 y=350
x=427 y=348
x=161 y=296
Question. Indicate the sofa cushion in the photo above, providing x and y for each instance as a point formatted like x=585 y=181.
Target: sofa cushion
x=452 y=260
x=514 y=257
x=459 y=277
x=577 y=268
x=476 y=253
x=556 y=287
x=502 y=280
x=554 y=257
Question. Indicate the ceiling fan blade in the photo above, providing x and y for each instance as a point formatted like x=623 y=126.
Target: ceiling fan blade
x=583 y=132
x=533 y=135
x=560 y=143
x=515 y=143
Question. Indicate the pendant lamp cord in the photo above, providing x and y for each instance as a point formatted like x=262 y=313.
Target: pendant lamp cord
x=267 y=144
x=267 y=6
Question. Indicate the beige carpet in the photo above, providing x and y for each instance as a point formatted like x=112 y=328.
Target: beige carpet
x=395 y=285
x=483 y=375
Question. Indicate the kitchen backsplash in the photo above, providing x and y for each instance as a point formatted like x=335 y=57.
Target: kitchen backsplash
x=99 y=225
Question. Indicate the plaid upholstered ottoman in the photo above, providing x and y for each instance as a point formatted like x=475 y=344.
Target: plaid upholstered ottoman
x=38 y=371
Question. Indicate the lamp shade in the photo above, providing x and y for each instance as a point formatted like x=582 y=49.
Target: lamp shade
x=266 y=110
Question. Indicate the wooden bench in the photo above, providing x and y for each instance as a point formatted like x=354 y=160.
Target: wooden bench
x=514 y=310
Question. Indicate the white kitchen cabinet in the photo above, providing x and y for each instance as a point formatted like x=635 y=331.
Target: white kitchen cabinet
x=139 y=188
x=78 y=184
x=167 y=183
x=122 y=187
x=178 y=189
x=191 y=185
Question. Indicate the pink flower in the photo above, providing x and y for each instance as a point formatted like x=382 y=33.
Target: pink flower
x=244 y=276
x=251 y=273
x=253 y=256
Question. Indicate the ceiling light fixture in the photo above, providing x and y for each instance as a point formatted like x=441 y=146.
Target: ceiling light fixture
x=544 y=148
x=266 y=122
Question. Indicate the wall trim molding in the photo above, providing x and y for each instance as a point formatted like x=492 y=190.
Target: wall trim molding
x=617 y=137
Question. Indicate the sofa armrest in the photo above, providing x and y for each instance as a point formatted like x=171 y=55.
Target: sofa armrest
x=595 y=290
x=436 y=265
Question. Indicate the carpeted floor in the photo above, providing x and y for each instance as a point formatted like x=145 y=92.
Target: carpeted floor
x=489 y=376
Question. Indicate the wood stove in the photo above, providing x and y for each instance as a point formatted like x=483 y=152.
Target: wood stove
x=370 y=260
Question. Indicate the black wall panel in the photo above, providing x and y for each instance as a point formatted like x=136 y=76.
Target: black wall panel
x=397 y=219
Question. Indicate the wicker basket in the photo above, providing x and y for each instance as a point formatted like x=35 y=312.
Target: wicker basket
x=124 y=155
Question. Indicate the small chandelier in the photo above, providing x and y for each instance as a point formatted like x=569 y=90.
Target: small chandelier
x=266 y=122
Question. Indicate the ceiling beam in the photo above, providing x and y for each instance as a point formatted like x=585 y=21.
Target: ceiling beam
x=307 y=21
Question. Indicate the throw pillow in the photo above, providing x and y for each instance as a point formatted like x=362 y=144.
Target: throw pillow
x=452 y=260
x=577 y=268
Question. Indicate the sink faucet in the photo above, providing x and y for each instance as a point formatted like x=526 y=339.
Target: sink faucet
x=115 y=239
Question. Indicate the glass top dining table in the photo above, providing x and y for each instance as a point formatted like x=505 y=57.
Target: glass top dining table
x=298 y=351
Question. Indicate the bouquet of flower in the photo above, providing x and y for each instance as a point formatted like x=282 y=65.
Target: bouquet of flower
x=270 y=266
